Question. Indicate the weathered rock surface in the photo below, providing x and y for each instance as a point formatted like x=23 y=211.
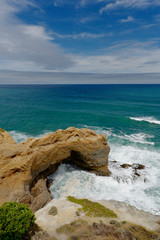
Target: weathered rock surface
x=25 y=166
x=67 y=224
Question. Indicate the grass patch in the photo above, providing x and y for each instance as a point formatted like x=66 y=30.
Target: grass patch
x=93 y=209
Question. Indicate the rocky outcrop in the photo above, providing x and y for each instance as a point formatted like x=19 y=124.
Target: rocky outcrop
x=24 y=167
x=66 y=224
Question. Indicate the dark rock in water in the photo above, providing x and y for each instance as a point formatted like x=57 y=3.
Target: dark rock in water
x=138 y=166
x=125 y=165
x=135 y=174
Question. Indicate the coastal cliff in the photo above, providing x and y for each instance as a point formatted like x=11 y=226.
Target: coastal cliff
x=24 y=167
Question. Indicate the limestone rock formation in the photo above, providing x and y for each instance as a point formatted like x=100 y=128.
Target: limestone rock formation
x=24 y=167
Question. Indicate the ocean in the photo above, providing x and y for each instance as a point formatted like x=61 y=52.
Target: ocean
x=129 y=116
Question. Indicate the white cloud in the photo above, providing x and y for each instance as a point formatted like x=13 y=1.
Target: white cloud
x=128 y=19
x=132 y=57
x=83 y=35
x=35 y=31
x=30 y=47
x=25 y=46
x=19 y=77
x=147 y=26
x=129 y=4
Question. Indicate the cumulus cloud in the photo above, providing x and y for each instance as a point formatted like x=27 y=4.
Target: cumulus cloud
x=27 y=47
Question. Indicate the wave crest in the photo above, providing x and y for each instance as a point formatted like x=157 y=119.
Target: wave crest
x=21 y=137
x=146 y=119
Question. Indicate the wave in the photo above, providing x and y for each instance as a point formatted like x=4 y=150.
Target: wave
x=142 y=193
x=21 y=137
x=136 y=137
x=68 y=180
x=109 y=132
x=146 y=119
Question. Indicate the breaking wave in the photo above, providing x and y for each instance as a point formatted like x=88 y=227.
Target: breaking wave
x=21 y=137
x=142 y=192
x=146 y=119
x=136 y=137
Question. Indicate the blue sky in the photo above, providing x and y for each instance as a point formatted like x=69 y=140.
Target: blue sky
x=85 y=36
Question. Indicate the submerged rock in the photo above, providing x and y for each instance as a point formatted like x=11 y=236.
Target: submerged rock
x=128 y=172
x=24 y=167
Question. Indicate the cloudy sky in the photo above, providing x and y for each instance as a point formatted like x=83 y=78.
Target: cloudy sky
x=79 y=36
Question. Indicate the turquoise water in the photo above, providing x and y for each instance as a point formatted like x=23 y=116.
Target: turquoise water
x=129 y=115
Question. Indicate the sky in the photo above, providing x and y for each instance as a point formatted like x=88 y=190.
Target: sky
x=85 y=37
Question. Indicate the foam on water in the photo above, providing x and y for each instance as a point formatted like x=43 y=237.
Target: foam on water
x=21 y=137
x=71 y=181
x=141 y=192
x=146 y=119
x=137 y=138
x=142 y=138
x=134 y=154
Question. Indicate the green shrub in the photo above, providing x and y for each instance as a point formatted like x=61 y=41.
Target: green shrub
x=15 y=221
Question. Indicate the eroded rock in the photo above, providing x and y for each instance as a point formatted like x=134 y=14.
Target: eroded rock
x=24 y=167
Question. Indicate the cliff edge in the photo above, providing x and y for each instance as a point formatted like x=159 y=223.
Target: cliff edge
x=24 y=167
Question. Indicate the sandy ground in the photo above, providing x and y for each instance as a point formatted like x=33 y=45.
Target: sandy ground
x=67 y=214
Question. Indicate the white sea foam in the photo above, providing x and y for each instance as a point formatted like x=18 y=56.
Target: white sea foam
x=20 y=137
x=78 y=183
x=141 y=192
x=133 y=154
x=100 y=130
x=136 y=137
x=146 y=119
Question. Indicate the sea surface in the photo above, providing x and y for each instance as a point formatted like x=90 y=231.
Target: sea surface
x=129 y=116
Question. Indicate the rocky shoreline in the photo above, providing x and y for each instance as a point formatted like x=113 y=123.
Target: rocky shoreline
x=66 y=214
x=24 y=169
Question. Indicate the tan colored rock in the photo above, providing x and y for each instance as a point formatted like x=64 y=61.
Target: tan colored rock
x=25 y=166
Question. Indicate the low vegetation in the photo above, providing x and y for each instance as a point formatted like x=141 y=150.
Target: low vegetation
x=15 y=221
x=92 y=209
x=82 y=230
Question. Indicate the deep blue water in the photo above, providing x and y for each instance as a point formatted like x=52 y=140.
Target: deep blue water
x=129 y=115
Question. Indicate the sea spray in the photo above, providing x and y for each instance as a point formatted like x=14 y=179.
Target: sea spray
x=142 y=192
x=78 y=183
